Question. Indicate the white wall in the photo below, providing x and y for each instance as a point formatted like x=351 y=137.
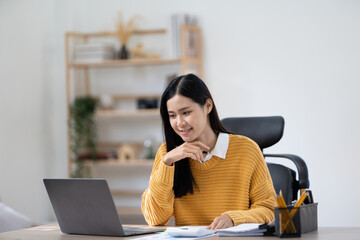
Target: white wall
x=298 y=59
x=26 y=126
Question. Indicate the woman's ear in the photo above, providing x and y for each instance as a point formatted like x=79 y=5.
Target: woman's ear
x=209 y=105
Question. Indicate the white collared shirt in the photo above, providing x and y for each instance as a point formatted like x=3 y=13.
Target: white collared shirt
x=221 y=147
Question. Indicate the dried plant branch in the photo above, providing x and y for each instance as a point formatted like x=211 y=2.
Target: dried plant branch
x=125 y=30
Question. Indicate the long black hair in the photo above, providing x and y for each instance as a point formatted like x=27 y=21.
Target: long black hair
x=192 y=87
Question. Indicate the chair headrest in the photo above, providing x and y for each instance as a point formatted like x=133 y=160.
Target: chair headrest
x=265 y=131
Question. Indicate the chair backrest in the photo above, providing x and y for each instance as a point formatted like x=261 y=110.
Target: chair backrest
x=283 y=179
x=265 y=131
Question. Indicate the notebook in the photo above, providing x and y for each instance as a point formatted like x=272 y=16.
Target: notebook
x=85 y=206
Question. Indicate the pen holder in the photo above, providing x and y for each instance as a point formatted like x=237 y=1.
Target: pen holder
x=305 y=220
x=309 y=219
x=285 y=225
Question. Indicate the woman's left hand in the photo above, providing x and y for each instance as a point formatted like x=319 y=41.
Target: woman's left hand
x=223 y=221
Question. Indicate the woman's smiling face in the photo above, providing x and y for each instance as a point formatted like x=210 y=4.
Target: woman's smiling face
x=188 y=119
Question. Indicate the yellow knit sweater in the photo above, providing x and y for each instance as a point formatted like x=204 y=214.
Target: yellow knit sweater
x=239 y=186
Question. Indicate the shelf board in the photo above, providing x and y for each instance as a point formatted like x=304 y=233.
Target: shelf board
x=191 y=60
x=112 y=163
x=115 y=144
x=129 y=210
x=119 y=63
x=131 y=96
x=128 y=113
x=128 y=193
x=112 y=34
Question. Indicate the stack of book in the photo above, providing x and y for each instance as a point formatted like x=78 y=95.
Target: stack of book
x=94 y=52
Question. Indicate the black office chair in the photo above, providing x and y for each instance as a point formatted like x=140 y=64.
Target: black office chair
x=266 y=131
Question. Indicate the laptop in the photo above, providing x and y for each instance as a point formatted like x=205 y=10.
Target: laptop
x=85 y=206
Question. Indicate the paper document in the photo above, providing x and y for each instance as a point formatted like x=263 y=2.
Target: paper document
x=165 y=236
x=189 y=231
x=245 y=229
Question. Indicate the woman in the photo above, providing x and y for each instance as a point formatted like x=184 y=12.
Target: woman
x=202 y=175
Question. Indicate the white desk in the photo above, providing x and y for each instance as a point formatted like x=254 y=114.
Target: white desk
x=52 y=232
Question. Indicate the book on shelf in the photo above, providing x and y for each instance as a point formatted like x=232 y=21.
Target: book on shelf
x=94 y=52
x=90 y=47
x=93 y=57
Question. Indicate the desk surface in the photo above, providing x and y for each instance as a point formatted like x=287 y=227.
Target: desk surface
x=52 y=232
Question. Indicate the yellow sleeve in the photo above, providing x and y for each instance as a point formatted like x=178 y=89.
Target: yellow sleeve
x=261 y=196
x=158 y=199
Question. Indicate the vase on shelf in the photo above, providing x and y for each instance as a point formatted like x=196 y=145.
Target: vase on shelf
x=123 y=53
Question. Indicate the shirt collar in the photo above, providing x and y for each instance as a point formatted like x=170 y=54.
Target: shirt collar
x=221 y=147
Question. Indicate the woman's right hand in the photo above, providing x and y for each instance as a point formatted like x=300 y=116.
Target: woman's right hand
x=192 y=150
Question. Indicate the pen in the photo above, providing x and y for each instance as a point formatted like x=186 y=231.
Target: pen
x=204 y=152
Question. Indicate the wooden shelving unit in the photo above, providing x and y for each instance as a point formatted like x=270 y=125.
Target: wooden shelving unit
x=183 y=62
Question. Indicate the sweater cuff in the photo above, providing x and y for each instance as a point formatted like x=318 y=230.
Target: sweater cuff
x=166 y=173
x=236 y=217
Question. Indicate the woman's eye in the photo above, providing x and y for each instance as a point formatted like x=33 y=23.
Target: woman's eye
x=187 y=112
x=171 y=116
